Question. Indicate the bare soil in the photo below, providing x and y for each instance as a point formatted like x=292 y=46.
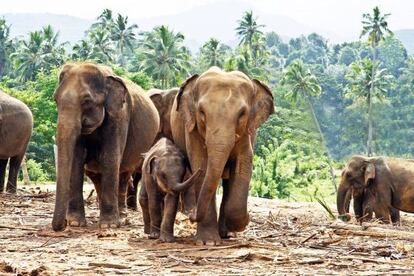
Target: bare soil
x=282 y=238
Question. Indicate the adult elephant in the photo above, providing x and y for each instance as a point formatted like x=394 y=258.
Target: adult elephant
x=105 y=124
x=367 y=179
x=163 y=101
x=16 y=123
x=214 y=120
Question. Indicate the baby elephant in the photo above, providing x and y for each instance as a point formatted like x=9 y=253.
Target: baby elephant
x=163 y=171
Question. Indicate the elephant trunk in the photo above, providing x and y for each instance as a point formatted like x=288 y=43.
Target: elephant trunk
x=218 y=152
x=183 y=186
x=343 y=200
x=67 y=136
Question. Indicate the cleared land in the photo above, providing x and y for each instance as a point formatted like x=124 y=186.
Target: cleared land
x=281 y=238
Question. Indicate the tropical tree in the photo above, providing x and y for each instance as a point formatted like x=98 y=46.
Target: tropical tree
x=364 y=88
x=213 y=53
x=102 y=49
x=124 y=36
x=5 y=45
x=302 y=84
x=375 y=26
x=165 y=57
x=105 y=20
x=82 y=50
x=247 y=28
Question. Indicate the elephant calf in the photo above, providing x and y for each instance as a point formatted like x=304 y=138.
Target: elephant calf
x=379 y=185
x=163 y=170
x=16 y=123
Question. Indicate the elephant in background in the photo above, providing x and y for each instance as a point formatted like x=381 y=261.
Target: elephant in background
x=163 y=101
x=105 y=124
x=214 y=120
x=368 y=180
x=16 y=124
x=163 y=172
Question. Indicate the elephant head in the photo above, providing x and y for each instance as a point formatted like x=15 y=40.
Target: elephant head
x=220 y=108
x=86 y=96
x=356 y=177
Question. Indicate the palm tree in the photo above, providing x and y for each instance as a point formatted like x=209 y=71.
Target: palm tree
x=304 y=85
x=375 y=26
x=213 y=53
x=247 y=28
x=105 y=20
x=102 y=50
x=5 y=45
x=30 y=58
x=124 y=36
x=82 y=50
x=165 y=57
x=361 y=82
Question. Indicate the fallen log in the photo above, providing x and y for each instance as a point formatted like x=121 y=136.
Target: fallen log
x=371 y=231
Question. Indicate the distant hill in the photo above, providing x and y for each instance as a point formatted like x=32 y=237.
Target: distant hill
x=407 y=38
x=197 y=24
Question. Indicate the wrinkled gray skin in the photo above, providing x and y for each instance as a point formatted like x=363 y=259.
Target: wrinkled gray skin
x=105 y=124
x=363 y=179
x=163 y=171
x=16 y=123
x=214 y=120
x=163 y=101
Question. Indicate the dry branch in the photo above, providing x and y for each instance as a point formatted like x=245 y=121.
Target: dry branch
x=109 y=265
x=18 y=228
x=377 y=232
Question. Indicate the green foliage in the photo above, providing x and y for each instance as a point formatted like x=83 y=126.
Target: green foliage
x=36 y=172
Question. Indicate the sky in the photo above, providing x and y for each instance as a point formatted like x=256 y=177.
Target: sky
x=336 y=15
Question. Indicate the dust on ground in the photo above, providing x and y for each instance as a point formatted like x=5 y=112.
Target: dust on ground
x=282 y=238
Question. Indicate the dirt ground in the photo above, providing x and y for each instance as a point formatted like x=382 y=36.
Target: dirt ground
x=282 y=238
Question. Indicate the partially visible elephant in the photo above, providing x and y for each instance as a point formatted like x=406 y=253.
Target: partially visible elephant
x=163 y=101
x=364 y=179
x=163 y=173
x=214 y=120
x=16 y=124
x=105 y=124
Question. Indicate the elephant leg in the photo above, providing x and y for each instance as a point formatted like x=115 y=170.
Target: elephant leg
x=96 y=180
x=122 y=193
x=358 y=206
x=143 y=201
x=234 y=206
x=76 y=205
x=395 y=216
x=132 y=192
x=207 y=229
x=14 y=167
x=3 y=164
x=168 y=217
x=155 y=213
x=222 y=218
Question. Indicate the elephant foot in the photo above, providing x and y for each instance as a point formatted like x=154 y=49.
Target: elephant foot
x=146 y=229
x=207 y=236
x=132 y=203
x=236 y=223
x=109 y=222
x=167 y=237
x=154 y=235
x=76 y=220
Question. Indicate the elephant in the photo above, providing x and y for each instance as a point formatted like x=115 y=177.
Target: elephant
x=374 y=183
x=214 y=120
x=105 y=123
x=163 y=172
x=163 y=101
x=16 y=124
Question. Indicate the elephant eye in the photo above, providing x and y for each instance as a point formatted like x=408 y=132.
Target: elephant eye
x=348 y=175
x=87 y=101
x=202 y=115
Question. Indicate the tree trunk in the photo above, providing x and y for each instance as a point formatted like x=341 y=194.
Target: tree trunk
x=315 y=120
x=371 y=92
x=26 y=178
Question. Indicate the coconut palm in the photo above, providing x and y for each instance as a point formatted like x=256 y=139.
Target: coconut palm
x=105 y=20
x=82 y=50
x=5 y=45
x=302 y=84
x=375 y=26
x=165 y=58
x=247 y=28
x=213 y=53
x=102 y=49
x=124 y=36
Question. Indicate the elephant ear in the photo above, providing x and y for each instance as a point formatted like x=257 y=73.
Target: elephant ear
x=185 y=101
x=156 y=98
x=263 y=105
x=369 y=173
x=116 y=91
x=64 y=70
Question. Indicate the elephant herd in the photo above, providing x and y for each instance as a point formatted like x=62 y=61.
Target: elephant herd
x=180 y=144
